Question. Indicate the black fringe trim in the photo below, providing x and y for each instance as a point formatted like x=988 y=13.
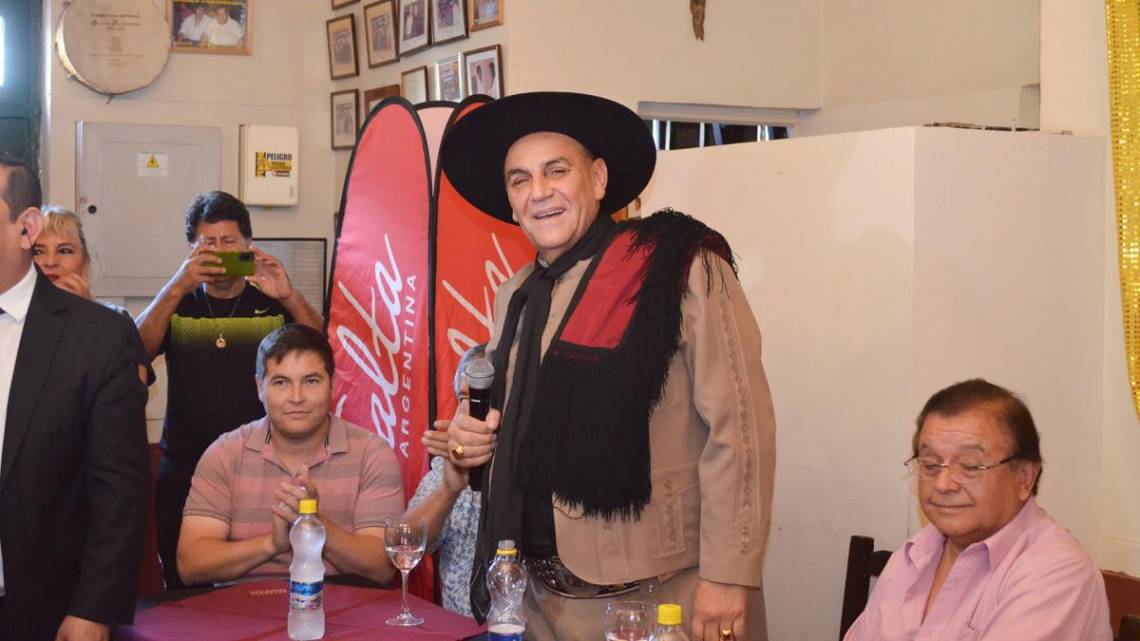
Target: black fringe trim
x=588 y=442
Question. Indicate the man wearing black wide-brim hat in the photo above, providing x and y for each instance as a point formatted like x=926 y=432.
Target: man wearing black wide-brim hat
x=633 y=458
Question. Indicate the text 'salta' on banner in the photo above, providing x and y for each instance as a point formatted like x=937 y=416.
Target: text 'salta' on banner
x=378 y=315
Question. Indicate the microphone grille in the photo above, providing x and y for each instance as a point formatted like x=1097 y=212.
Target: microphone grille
x=480 y=373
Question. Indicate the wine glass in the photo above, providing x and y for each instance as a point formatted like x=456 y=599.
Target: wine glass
x=404 y=541
x=629 y=621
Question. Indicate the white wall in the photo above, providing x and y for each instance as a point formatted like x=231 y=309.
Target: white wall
x=759 y=53
x=897 y=62
x=284 y=82
x=823 y=229
x=1009 y=285
x=1074 y=96
x=881 y=267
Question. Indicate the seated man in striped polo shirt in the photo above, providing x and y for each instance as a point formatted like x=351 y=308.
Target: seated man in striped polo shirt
x=247 y=487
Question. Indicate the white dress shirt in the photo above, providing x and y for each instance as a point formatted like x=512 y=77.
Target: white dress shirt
x=194 y=29
x=15 y=304
x=225 y=35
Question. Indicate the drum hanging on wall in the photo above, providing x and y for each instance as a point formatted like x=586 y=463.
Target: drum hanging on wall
x=113 y=46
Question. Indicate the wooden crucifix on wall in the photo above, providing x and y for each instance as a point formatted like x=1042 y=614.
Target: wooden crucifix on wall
x=697 y=8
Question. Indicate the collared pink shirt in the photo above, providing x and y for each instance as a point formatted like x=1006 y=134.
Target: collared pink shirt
x=355 y=472
x=1031 y=581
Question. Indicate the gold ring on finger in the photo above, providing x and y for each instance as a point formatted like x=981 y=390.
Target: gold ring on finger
x=457 y=452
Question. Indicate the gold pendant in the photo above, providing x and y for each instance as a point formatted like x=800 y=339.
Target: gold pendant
x=221 y=342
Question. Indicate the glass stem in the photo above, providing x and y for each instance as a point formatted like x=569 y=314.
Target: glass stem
x=404 y=579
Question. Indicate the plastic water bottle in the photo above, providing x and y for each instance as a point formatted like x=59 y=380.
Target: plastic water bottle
x=669 y=626
x=307 y=576
x=506 y=582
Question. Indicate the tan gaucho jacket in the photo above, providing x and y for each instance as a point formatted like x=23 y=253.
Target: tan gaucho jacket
x=712 y=447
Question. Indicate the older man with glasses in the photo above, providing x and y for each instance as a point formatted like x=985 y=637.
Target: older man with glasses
x=992 y=564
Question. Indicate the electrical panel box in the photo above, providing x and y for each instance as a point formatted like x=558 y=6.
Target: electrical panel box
x=133 y=183
x=268 y=165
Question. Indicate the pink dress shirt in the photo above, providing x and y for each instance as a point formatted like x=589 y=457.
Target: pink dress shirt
x=1031 y=581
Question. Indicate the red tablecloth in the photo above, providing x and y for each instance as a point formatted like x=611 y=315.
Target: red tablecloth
x=258 y=612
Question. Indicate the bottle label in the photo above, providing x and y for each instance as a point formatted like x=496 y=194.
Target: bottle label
x=306 y=596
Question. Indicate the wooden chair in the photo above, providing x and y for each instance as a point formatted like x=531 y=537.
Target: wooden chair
x=1123 y=604
x=150 y=571
x=863 y=562
x=1129 y=628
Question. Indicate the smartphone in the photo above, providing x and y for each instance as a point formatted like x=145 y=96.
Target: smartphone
x=236 y=263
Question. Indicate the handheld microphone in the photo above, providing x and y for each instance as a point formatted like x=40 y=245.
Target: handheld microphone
x=480 y=374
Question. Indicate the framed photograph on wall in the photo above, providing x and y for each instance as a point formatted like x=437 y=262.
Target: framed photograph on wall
x=342 y=47
x=380 y=33
x=449 y=78
x=205 y=26
x=485 y=13
x=337 y=4
x=414 y=21
x=345 y=107
x=484 y=71
x=372 y=97
x=448 y=21
x=414 y=85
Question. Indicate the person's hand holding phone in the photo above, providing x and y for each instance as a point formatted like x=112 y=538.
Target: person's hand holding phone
x=270 y=276
x=201 y=266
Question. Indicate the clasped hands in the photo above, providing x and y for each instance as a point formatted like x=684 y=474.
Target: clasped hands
x=288 y=507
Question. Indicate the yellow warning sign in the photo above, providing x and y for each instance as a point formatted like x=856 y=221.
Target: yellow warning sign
x=268 y=163
x=153 y=164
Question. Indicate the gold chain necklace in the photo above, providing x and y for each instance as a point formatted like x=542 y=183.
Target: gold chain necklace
x=221 y=342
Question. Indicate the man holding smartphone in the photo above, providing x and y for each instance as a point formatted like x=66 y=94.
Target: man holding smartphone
x=208 y=322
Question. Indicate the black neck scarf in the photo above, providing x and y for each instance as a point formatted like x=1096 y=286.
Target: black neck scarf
x=502 y=518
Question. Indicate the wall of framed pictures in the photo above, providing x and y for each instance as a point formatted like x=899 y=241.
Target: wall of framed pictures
x=423 y=50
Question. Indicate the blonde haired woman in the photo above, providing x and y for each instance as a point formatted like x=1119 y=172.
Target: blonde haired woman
x=61 y=253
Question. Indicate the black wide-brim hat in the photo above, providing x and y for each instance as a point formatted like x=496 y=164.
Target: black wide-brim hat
x=474 y=148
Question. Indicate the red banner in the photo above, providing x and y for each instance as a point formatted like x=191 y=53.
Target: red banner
x=378 y=302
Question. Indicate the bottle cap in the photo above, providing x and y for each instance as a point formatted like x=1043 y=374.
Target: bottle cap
x=669 y=614
x=308 y=506
x=507 y=548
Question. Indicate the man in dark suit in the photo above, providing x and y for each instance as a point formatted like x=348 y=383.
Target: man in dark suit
x=73 y=464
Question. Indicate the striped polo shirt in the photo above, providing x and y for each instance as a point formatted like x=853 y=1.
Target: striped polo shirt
x=356 y=474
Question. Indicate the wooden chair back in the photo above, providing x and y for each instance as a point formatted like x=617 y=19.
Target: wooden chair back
x=1123 y=599
x=863 y=562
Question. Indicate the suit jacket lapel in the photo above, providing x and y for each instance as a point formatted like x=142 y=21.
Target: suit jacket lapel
x=42 y=329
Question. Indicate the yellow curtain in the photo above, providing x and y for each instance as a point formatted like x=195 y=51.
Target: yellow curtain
x=1123 y=27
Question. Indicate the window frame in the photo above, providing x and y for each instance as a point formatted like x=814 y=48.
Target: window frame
x=21 y=93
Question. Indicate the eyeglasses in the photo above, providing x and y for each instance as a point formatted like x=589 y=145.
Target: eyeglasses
x=961 y=472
